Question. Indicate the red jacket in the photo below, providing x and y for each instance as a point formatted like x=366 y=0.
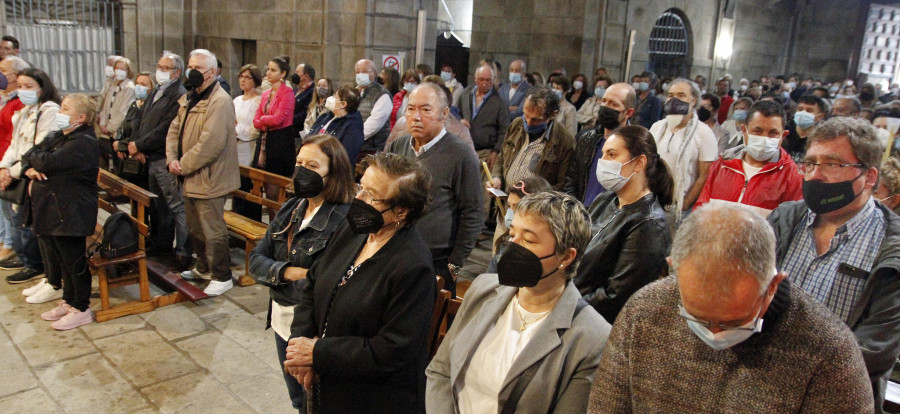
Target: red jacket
x=398 y=100
x=775 y=183
x=6 y=125
x=724 y=106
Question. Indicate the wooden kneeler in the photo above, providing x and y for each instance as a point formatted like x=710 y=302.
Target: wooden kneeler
x=117 y=188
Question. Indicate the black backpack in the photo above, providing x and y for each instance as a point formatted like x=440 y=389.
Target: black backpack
x=119 y=237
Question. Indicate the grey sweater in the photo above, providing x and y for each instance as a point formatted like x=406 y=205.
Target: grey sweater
x=804 y=361
x=455 y=215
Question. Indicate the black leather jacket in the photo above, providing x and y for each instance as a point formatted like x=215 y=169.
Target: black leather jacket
x=577 y=173
x=270 y=257
x=627 y=251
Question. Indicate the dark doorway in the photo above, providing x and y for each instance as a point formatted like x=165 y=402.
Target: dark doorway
x=450 y=50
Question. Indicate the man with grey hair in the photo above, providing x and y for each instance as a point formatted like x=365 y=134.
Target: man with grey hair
x=148 y=146
x=842 y=246
x=846 y=106
x=514 y=92
x=687 y=145
x=485 y=114
x=455 y=216
x=201 y=151
x=374 y=107
x=728 y=333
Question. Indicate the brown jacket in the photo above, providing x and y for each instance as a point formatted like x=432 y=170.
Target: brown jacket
x=209 y=162
x=554 y=161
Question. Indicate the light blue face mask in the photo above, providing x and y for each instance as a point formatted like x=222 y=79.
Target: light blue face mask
x=804 y=119
x=28 y=97
x=140 y=92
x=599 y=91
x=558 y=93
x=507 y=219
x=515 y=78
x=740 y=115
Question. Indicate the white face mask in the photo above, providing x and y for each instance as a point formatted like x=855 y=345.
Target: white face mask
x=109 y=71
x=329 y=103
x=722 y=339
x=62 y=121
x=362 y=80
x=609 y=174
x=577 y=85
x=408 y=86
x=162 y=76
x=762 y=148
x=674 y=120
x=121 y=74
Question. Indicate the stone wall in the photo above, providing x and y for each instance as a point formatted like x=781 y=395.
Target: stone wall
x=149 y=27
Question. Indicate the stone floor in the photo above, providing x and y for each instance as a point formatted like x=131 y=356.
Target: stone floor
x=211 y=356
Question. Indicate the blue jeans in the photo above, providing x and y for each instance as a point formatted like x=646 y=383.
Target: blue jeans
x=24 y=242
x=295 y=390
x=6 y=231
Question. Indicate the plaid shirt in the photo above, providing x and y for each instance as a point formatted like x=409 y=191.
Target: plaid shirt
x=836 y=278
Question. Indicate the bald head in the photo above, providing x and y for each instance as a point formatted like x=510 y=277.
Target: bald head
x=365 y=66
x=484 y=78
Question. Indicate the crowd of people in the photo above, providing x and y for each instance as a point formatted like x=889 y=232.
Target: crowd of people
x=657 y=246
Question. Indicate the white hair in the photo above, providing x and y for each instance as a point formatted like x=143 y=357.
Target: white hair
x=211 y=61
x=18 y=64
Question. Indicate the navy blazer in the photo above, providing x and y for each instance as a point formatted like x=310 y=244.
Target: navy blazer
x=518 y=98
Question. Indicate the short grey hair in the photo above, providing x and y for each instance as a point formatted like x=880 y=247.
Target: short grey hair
x=726 y=235
x=487 y=66
x=864 y=141
x=176 y=60
x=695 y=90
x=211 y=61
x=443 y=103
x=18 y=64
x=567 y=218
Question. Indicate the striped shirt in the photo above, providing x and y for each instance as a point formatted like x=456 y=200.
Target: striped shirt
x=836 y=278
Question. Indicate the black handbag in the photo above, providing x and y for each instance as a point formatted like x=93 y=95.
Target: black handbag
x=130 y=166
x=16 y=191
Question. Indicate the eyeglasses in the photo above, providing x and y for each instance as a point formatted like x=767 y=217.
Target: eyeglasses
x=247 y=77
x=366 y=196
x=165 y=68
x=709 y=325
x=826 y=168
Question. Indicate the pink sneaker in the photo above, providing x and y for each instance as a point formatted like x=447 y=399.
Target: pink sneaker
x=55 y=314
x=73 y=319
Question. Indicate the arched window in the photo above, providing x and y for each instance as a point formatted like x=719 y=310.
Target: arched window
x=670 y=45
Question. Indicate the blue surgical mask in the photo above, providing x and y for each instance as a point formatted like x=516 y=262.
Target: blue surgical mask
x=140 y=92
x=362 y=80
x=558 y=93
x=409 y=86
x=515 y=78
x=786 y=96
x=804 y=119
x=62 y=121
x=507 y=219
x=536 y=129
x=722 y=339
x=446 y=76
x=28 y=97
x=740 y=115
x=599 y=91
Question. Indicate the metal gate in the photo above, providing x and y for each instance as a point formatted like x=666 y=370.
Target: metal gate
x=670 y=46
x=68 y=39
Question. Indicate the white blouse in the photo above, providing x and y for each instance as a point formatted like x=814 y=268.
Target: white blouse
x=244 y=110
x=283 y=316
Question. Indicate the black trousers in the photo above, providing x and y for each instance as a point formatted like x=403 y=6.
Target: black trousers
x=64 y=259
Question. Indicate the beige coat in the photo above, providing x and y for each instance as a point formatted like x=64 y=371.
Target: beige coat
x=209 y=162
x=114 y=105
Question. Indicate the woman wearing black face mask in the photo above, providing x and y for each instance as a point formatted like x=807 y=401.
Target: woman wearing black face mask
x=359 y=333
x=524 y=341
x=323 y=184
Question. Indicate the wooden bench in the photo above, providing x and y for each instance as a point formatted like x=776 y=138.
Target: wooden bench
x=116 y=189
x=253 y=231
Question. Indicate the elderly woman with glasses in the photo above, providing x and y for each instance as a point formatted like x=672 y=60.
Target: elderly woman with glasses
x=524 y=341
x=358 y=339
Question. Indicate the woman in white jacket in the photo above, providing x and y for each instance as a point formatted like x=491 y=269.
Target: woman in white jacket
x=30 y=125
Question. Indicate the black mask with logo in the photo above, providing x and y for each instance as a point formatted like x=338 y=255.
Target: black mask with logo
x=363 y=218
x=608 y=118
x=519 y=267
x=822 y=197
x=307 y=183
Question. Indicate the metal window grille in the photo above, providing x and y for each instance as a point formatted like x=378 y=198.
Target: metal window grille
x=68 y=39
x=669 y=46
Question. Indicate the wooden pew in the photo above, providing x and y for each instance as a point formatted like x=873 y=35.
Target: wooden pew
x=253 y=231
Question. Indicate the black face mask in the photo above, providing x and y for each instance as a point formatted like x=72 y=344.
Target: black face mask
x=822 y=197
x=363 y=218
x=380 y=81
x=3 y=82
x=703 y=114
x=519 y=267
x=675 y=106
x=307 y=183
x=608 y=118
x=866 y=96
x=194 y=79
x=295 y=79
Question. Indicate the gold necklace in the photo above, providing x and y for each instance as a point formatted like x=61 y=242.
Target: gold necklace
x=525 y=323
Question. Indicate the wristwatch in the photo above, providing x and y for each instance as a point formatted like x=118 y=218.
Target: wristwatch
x=454 y=270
